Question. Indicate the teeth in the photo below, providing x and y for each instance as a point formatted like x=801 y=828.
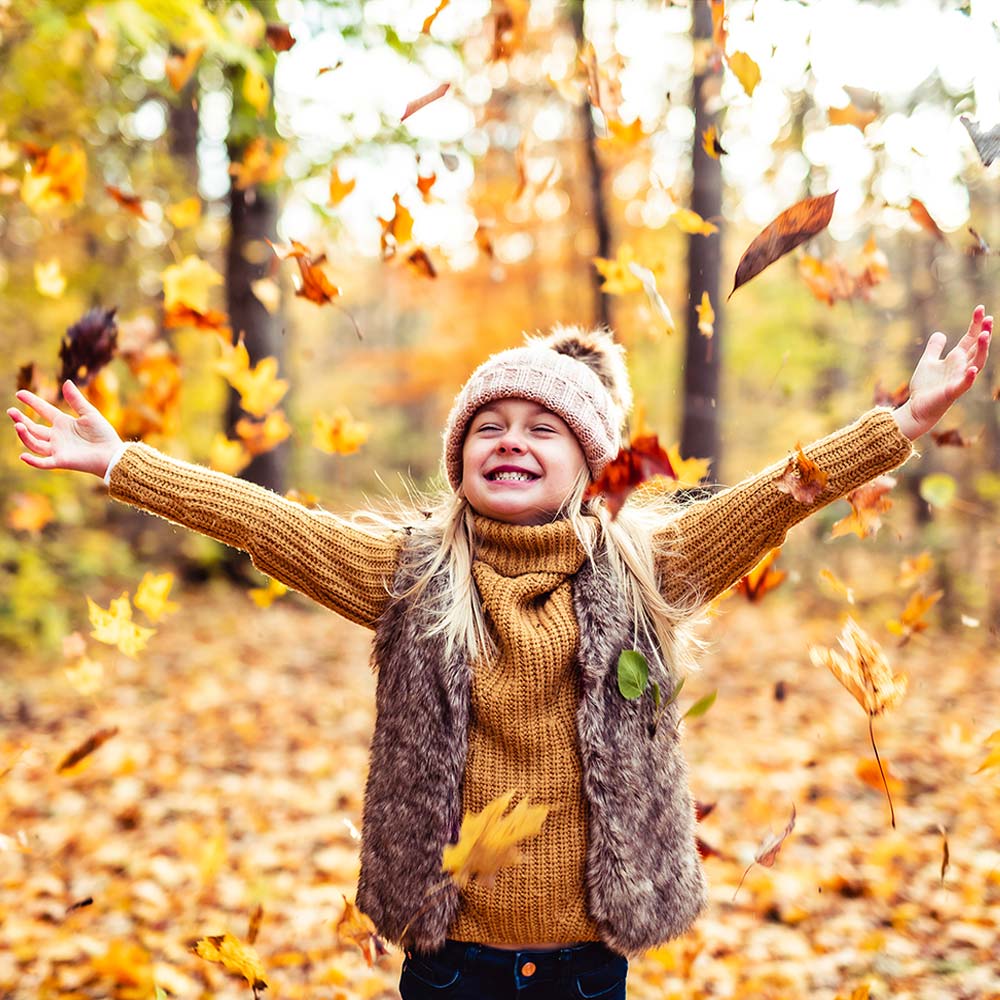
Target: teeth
x=517 y=476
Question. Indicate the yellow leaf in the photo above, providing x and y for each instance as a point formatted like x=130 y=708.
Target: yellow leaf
x=184 y=213
x=264 y=597
x=228 y=456
x=838 y=585
x=268 y=293
x=706 y=316
x=623 y=135
x=263 y=162
x=691 y=222
x=862 y=669
x=993 y=757
x=488 y=840
x=151 y=595
x=116 y=628
x=260 y=388
x=339 y=434
x=86 y=676
x=911 y=621
x=618 y=277
x=261 y=436
x=126 y=964
x=689 y=472
x=851 y=115
x=188 y=284
x=234 y=956
x=256 y=91
x=339 y=189
x=357 y=928
x=54 y=178
x=397 y=231
x=49 y=278
x=710 y=142
x=30 y=512
x=234 y=362
x=745 y=70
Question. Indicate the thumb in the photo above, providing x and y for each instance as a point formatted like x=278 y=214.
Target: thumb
x=935 y=345
x=78 y=403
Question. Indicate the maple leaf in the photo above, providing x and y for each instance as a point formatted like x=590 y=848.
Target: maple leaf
x=710 y=142
x=115 y=627
x=49 y=278
x=767 y=852
x=868 y=503
x=648 y=280
x=151 y=596
x=688 y=221
x=912 y=569
x=261 y=436
x=260 y=388
x=993 y=757
x=86 y=748
x=132 y=203
x=920 y=215
x=265 y=596
x=763 y=578
x=987 y=143
x=619 y=278
x=745 y=70
x=212 y=319
x=279 y=37
x=706 y=316
x=313 y=283
x=188 y=284
x=792 y=227
x=234 y=956
x=339 y=189
x=397 y=231
x=185 y=213
x=837 y=584
x=489 y=840
x=179 y=67
x=263 y=162
x=633 y=465
x=852 y=115
x=30 y=512
x=622 y=135
x=228 y=456
x=421 y=102
x=339 y=434
x=55 y=178
x=911 y=621
x=88 y=345
x=357 y=928
x=802 y=478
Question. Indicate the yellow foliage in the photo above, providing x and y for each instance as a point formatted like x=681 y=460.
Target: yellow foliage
x=263 y=163
x=49 y=278
x=233 y=956
x=261 y=436
x=151 y=595
x=256 y=91
x=619 y=279
x=183 y=214
x=339 y=434
x=188 y=284
x=706 y=316
x=691 y=222
x=55 y=178
x=264 y=597
x=622 y=135
x=226 y=455
x=115 y=627
x=745 y=70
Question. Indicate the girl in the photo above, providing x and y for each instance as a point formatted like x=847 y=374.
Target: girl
x=499 y=617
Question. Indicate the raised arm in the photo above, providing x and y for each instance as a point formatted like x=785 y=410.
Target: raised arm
x=334 y=563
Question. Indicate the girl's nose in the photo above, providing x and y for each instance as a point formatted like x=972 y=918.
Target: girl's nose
x=510 y=443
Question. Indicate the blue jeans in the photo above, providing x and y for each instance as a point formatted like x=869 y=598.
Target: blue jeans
x=465 y=971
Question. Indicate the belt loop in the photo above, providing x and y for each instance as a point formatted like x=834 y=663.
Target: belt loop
x=565 y=956
x=470 y=956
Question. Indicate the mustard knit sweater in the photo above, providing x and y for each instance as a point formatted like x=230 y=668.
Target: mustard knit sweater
x=522 y=731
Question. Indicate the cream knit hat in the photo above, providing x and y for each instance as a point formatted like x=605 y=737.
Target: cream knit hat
x=577 y=374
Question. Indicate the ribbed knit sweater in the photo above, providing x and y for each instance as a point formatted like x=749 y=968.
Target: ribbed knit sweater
x=523 y=702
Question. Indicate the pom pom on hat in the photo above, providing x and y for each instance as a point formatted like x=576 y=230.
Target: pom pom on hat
x=578 y=374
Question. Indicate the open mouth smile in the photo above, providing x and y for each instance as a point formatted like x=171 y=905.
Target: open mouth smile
x=511 y=476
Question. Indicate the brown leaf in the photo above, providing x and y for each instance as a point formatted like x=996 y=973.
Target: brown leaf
x=88 y=345
x=952 y=437
x=233 y=956
x=421 y=262
x=130 y=202
x=421 y=102
x=358 y=928
x=945 y=853
x=868 y=503
x=633 y=465
x=802 y=478
x=987 y=143
x=762 y=578
x=891 y=397
x=314 y=284
x=792 y=227
x=256 y=916
x=920 y=215
x=767 y=852
x=279 y=37
x=86 y=748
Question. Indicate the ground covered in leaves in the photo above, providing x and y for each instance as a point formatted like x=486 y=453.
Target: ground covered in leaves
x=236 y=774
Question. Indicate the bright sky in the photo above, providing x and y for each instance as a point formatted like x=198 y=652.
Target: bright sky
x=914 y=148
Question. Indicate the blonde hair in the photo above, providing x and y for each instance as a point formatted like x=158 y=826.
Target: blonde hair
x=441 y=536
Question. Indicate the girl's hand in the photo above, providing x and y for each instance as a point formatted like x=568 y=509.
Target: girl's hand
x=937 y=382
x=84 y=443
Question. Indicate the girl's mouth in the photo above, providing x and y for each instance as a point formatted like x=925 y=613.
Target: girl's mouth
x=511 y=476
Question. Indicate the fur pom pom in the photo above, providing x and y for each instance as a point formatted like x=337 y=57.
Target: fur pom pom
x=598 y=351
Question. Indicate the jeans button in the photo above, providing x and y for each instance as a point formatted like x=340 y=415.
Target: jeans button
x=528 y=969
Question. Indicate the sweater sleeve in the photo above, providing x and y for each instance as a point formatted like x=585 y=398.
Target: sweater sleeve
x=716 y=541
x=337 y=565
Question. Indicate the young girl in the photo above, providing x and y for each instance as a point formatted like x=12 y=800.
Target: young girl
x=499 y=617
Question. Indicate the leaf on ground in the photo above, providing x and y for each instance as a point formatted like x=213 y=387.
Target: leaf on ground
x=86 y=748
x=115 y=627
x=633 y=465
x=987 y=143
x=234 y=956
x=868 y=504
x=489 y=840
x=767 y=852
x=764 y=577
x=792 y=227
x=802 y=478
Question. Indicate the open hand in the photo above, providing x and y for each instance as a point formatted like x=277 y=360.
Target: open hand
x=85 y=442
x=938 y=381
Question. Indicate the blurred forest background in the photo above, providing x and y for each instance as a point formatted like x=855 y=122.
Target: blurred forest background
x=220 y=218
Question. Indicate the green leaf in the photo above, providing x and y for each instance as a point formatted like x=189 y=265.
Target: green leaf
x=676 y=691
x=938 y=489
x=656 y=696
x=633 y=674
x=700 y=707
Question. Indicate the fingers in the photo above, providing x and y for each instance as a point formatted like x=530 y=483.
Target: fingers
x=982 y=347
x=38 y=444
x=41 y=406
x=39 y=430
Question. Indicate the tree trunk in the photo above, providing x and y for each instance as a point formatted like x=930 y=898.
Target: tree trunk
x=700 y=418
x=601 y=313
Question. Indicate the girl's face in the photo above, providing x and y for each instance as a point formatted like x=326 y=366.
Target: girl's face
x=520 y=462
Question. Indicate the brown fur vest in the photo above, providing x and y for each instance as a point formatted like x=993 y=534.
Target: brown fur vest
x=644 y=880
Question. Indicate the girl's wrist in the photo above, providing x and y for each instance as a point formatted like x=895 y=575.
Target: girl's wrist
x=907 y=424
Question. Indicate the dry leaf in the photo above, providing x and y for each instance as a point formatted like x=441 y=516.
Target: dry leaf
x=263 y=162
x=419 y=260
x=911 y=621
x=397 y=231
x=920 y=215
x=55 y=178
x=793 y=226
x=184 y=213
x=660 y=307
x=872 y=772
x=233 y=956
x=838 y=585
x=913 y=568
x=868 y=504
x=894 y=397
x=86 y=748
x=339 y=434
x=952 y=437
x=279 y=37
x=88 y=346
x=358 y=928
x=691 y=222
x=313 y=284
x=180 y=67
x=253 y=929
x=640 y=461
x=993 y=757
x=132 y=203
x=987 y=143
x=710 y=143
x=188 y=284
x=802 y=478
x=764 y=577
x=228 y=456
x=421 y=102
x=745 y=70
x=767 y=852
x=151 y=596
x=619 y=278
x=339 y=189
x=851 y=115
x=259 y=436
x=116 y=628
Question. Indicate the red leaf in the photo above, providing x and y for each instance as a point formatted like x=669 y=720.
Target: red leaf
x=421 y=102
x=633 y=465
x=279 y=37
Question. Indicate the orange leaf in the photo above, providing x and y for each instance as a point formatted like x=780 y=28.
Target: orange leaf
x=802 y=478
x=279 y=37
x=421 y=102
x=340 y=434
x=430 y=19
x=891 y=397
x=828 y=281
x=851 y=115
x=259 y=436
x=54 y=178
x=920 y=215
x=339 y=189
x=793 y=226
x=952 y=437
x=424 y=185
x=357 y=928
x=314 y=284
x=510 y=21
x=762 y=578
x=868 y=771
x=868 y=503
x=623 y=135
x=397 y=231
x=130 y=202
x=641 y=460
x=710 y=143
x=183 y=315
x=180 y=67
x=233 y=956
x=719 y=32
x=86 y=748
x=912 y=569
x=911 y=621
x=262 y=163
x=30 y=512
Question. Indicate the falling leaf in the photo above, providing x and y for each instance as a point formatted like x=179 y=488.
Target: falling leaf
x=911 y=621
x=828 y=281
x=279 y=37
x=622 y=135
x=691 y=222
x=871 y=773
x=86 y=748
x=151 y=596
x=763 y=578
x=938 y=489
x=55 y=178
x=49 y=278
x=852 y=115
x=268 y=293
x=874 y=267
x=945 y=853
x=256 y=91
x=802 y=478
x=228 y=456
x=792 y=227
x=180 y=67
x=265 y=596
x=330 y=69
x=313 y=285
x=397 y=231
x=419 y=260
x=837 y=584
x=259 y=436
x=920 y=215
x=912 y=569
x=132 y=203
x=483 y=241
x=358 y=929
x=706 y=316
x=719 y=32
x=260 y=388
x=952 y=437
x=263 y=162
x=980 y=248
x=116 y=628
x=234 y=956
x=86 y=676
x=894 y=397
x=339 y=188
x=29 y=512
x=253 y=928
x=339 y=434
x=745 y=70
x=987 y=143
x=510 y=21
x=689 y=472
x=421 y=102
x=188 y=284
x=648 y=280
x=619 y=278
x=868 y=503
x=993 y=757
x=634 y=464
x=183 y=214
x=489 y=840
x=767 y=852
x=425 y=184
x=426 y=30
x=710 y=143
x=88 y=345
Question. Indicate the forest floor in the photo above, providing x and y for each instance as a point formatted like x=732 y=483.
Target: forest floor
x=236 y=776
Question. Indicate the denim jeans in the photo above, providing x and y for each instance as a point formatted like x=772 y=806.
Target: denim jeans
x=465 y=971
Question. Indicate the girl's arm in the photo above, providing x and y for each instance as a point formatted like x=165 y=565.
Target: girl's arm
x=716 y=541
x=335 y=564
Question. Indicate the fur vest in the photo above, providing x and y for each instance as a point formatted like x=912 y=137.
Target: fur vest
x=644 y=881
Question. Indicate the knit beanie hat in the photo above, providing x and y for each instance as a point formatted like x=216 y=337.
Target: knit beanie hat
x=579 y=375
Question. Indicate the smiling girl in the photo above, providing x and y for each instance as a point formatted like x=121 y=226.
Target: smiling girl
x=499 y=616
